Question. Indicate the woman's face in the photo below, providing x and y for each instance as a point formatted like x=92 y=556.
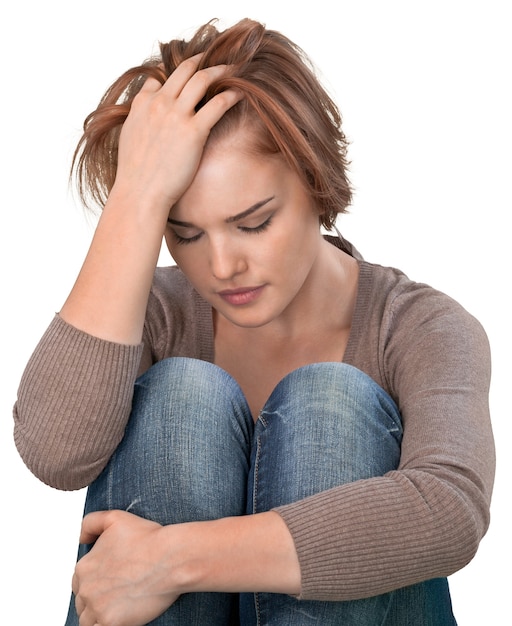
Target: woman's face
x=246 y=234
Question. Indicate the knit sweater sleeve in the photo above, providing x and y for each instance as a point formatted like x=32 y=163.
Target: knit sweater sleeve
x=425 y=519
x=75 y=395
x=73 y=403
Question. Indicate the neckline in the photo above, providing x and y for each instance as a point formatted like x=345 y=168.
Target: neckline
x=204 y=316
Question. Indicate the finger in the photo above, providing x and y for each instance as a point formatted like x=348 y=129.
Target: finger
x=181 y=75
x=74 y=584
x=198 y=84
x=87 y=618
x=150 y=85
x=79 y=605
x=214 y=109
x=93 y=525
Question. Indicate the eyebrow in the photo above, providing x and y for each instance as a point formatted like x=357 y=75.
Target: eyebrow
x=229 y=220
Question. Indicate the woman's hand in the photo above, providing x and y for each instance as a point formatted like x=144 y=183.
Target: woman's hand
x=160 y=147
x=137 y=568
x=120 y=581
x=163 y=137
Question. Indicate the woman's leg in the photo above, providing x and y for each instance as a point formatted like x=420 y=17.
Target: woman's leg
x=324 y=425
x=185 y=456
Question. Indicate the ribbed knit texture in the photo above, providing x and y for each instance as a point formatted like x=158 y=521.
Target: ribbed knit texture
x=65 y=377
x=422 y=521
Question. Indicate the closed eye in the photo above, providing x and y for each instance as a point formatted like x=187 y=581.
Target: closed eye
x=257 y=229
x=184 y=240
x=251 y=230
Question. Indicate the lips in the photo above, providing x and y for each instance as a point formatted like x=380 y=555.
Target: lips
x=240 y=296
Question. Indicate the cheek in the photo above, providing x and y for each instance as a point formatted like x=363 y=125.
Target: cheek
x=297 y=245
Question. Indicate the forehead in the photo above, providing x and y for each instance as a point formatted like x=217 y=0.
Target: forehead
x=230 y=180
x=228 y=170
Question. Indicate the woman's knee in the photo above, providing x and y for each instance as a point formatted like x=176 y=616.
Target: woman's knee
x=186 y=449
x=324 y=425
x=191 y=395
x=335 y=398
x=332 y=388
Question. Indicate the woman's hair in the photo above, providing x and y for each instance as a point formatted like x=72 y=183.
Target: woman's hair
x=283 y=104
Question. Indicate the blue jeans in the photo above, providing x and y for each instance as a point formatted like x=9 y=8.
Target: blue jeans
x=191 y=451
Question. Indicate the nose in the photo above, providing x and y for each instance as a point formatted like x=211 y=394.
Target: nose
x=226 y=259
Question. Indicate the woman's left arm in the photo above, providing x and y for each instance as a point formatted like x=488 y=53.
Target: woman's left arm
x=130 y=587
x=426 y=519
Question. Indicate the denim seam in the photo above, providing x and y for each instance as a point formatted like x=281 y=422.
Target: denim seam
x=254 y=509
x=255 y=478
x=110 y=490
x=257 y=608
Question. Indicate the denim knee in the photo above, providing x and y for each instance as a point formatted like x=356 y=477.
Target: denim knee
x=186 y=450
x=324 y=425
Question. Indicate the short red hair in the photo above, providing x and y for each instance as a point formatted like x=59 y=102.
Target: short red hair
x=284 y=103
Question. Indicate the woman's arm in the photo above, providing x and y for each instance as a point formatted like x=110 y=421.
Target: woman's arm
x=426 y=519
x=79 y=380
x=132 y=587
x=160 y=146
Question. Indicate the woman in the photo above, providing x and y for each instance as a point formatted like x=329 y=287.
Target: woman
x=274 y=431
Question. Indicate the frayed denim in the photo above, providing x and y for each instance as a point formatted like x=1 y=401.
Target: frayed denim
x=192 y=452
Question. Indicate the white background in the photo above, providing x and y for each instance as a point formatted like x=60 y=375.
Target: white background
x=424 y=88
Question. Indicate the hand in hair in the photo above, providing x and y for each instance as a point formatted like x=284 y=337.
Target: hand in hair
x=163 y=137
x=160 y=147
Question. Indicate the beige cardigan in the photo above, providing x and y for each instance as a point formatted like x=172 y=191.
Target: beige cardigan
x=422 y=521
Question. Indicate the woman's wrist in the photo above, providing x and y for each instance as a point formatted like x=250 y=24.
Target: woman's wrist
x=234 y=554
x=140 y=203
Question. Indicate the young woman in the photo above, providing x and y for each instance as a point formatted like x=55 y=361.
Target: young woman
x=273 y=431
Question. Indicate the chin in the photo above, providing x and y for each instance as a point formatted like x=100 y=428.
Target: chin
x=248 y=321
